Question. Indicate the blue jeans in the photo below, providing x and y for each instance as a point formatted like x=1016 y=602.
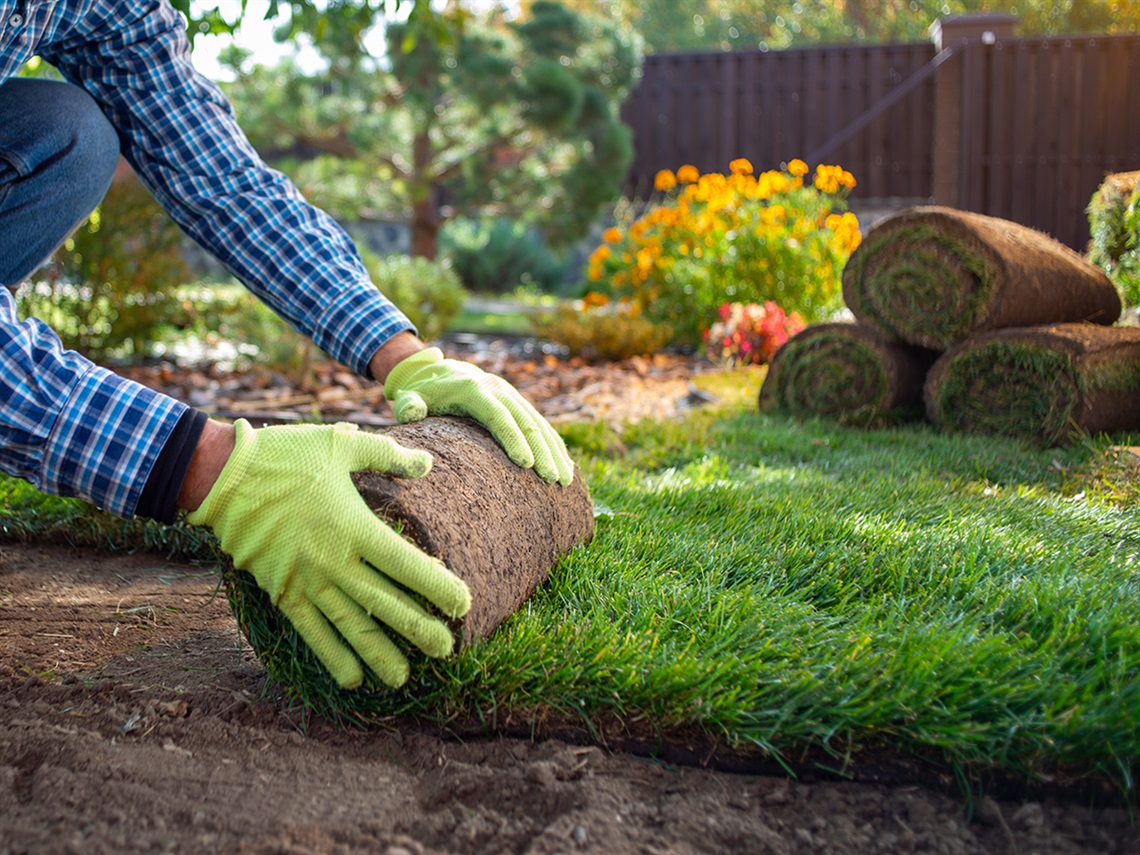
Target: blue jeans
x=57 y=155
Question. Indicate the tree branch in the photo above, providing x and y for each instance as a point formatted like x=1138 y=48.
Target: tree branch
x=489 y=146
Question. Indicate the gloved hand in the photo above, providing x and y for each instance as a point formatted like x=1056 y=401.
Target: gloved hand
x=285 y=508
x=427 y=384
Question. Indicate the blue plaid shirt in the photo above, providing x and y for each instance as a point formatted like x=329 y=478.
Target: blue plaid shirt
x=72 y=428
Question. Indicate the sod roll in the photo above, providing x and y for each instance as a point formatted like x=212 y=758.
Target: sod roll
x=932 y=276
x=498 y=527
x=848 y=372
x=1039 y=383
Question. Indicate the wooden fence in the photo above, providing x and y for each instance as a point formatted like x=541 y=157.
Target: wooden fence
x=1049 y=119
x=1018 y=128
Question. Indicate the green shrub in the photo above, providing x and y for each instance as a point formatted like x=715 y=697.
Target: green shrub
x=714 y=239
x=110 y=290
x=496 y=256
x=428 y=292
x=1114 y=222
x=609 y=332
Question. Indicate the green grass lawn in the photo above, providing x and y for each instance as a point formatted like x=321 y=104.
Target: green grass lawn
x=786 y=587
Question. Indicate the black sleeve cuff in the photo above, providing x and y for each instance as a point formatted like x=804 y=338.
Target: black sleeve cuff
x=159 y=499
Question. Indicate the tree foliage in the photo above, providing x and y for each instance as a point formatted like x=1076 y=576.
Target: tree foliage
x=670 y=26
x=518 y=119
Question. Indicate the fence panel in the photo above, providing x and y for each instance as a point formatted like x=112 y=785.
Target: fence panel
x=706 y=109
x=1044 y=120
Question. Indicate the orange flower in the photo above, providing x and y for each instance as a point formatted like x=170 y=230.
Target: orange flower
x=797 y=167
x=665 y=180
x=829 y=179
x=688 y=174
x=741 y=166
x=612 y=235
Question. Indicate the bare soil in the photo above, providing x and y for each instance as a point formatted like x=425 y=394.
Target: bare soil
x=134 y=718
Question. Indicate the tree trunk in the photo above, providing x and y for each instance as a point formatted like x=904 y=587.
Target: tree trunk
x=425 y=217
x=498 y=527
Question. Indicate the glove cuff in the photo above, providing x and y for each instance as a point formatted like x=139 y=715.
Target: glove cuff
x=407 y=367
x=213 y=507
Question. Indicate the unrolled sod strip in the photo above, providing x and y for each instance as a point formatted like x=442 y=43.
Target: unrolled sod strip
x=1041 y=383
x=932 y=276
x=497 y=526
x=847 y=372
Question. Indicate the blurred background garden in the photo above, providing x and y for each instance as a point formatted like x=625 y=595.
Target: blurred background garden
x=490 y=159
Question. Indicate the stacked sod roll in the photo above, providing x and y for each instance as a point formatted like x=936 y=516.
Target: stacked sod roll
x=1009 y=330
x=849 y=372
x=1041 y=383
x=934 y=276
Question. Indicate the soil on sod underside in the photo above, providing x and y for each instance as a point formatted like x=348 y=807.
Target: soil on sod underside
x=497 y=526
x=133 y=718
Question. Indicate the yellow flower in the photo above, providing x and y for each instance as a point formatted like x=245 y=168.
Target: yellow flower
x=612 y=235
x=741 y=166
x=828 y=179
x=665 y=180
x=688 y=174
x=773 y=214
x=846 y=228
x=797 y=167
x=770 y=183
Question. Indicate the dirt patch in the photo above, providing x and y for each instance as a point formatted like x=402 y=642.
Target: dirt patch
x=133 y=718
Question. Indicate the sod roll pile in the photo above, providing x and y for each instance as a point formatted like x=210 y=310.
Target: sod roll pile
x=1039 y=383
x=932 y=276
x=498 y=527
x=847 y=372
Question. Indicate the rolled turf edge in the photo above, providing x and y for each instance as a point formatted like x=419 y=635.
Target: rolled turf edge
x=498 y=527
x=932 y=276
x=1043 y=383
x=848 y=372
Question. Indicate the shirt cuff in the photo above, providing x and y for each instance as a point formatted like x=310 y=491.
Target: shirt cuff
x=356 y=324
x=106 y=440
x=159 y=499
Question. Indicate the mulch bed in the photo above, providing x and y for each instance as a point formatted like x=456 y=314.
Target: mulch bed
x=563 y=389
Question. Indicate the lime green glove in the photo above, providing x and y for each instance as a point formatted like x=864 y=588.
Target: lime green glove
x=427 y=384
x=286 y=510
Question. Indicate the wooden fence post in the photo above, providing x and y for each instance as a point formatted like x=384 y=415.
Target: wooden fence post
x=953 y=118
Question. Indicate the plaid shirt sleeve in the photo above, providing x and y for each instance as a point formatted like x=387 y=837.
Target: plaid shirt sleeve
x=179 y=133
x=70 y=427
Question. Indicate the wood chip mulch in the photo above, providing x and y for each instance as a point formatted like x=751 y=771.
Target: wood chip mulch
x=563 y=389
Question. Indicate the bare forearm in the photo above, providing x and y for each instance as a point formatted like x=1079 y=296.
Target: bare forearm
x=394 y=350
x=213 y=450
